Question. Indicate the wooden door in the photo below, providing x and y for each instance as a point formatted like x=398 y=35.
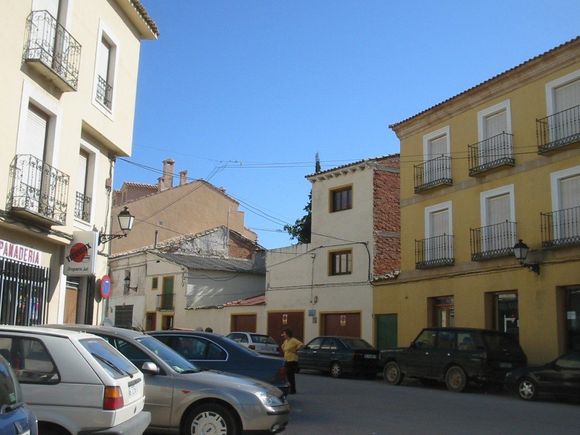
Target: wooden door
x=293 y=320
x=243 y=322
x=70 y=305
x=342 y=324
x=386 y=331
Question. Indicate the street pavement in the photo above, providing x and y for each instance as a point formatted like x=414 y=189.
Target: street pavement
x=353 y=406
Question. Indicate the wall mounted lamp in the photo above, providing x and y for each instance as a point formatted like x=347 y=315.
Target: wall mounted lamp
x=126 y=220
x=127 y=282
x=521 y=252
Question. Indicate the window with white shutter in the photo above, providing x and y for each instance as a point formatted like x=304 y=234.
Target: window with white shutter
x=105 y=71
x=498 y=220
x=565 y=217
x=563 y=100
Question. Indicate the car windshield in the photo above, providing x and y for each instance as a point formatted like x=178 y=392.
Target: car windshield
x=262 y=339
x=109 y=358
x=168 y=355
x=357 y=344
x=500 y=343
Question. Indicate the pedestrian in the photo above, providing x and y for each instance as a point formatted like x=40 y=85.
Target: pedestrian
x=290 y=348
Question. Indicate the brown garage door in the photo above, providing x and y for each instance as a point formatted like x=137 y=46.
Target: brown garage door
x=243 y=322
x=291 y=319
x=345 y=324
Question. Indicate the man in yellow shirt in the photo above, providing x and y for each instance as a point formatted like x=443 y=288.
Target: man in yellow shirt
x=290 y=348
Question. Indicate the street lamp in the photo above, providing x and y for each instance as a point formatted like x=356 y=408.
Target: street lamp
x=126 y=220
x=128 y=287
x=521 y=253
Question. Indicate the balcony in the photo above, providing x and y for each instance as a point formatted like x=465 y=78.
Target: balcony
x=491 y=153
x=561 y=228
x=37 y=191
x=493 y=241
x=165 y=302
x=434 y=252
x=559 y=130
x=104 y=93
x=52 y=51
x=83 y=207
x=433 y=173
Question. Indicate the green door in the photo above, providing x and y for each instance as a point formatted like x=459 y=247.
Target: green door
x=386 y=331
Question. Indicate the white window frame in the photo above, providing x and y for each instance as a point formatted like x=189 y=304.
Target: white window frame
x=92 y=176
x=447 y=205
x=106 y=33
x=483 y=197
x=552 y=85
x=482 y=114
x=555 y=178
x=444 y=131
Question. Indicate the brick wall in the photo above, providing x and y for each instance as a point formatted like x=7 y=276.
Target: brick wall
x=386 y=216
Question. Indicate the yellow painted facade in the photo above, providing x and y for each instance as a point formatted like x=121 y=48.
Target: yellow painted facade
x=479 y=267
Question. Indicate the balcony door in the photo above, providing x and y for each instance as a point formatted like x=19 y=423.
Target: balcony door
x=568 y=222
x=566 y=123
x=438 y=245
x=498 y=233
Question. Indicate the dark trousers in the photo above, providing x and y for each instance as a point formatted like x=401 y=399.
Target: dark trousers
x=291 y=367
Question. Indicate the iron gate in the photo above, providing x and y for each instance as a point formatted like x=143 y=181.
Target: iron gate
x=23 y=293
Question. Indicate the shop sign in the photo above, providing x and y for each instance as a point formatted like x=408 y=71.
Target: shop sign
x=81 y=254
x=20 y=253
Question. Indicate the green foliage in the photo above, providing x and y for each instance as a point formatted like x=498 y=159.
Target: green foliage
x=302 y=227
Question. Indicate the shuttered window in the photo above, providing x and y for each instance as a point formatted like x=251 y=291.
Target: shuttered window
x=36 y=133
x=495 y=124
x=567 y=96
x=437 y=147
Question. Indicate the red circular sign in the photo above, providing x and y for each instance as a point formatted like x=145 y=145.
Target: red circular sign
x=78 y=252
x=105 y=286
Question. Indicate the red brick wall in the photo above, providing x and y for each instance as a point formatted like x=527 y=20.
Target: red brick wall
x=241 y=249
x=386 y=217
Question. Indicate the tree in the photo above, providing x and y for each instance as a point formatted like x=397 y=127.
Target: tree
x=302 y=228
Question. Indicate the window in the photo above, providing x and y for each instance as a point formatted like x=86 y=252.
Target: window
x=341 y=262
x=83 y=198
x=107 y=54
x=495 y=140
x=438 y=232
x=565 y=190
x=498 y=220
x=442 y=311
x=426 y=340
x=30 y=360
x=436 y=150
x=341 y=199
x=563 y=101
x=154 y=282
x=105 y=355
x=315 y=344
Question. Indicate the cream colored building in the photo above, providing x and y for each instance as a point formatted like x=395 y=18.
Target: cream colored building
x=324 y=287
x=67 y=102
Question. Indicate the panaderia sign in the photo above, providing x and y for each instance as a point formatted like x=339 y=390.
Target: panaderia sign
x=20 y=253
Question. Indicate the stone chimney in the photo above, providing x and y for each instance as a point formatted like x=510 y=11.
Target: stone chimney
x=182 y=178
x=167 y=180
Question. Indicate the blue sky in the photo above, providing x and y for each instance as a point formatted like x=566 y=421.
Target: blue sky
x=243 y=93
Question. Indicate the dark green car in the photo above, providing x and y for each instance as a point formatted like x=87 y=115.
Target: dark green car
x=455 y=356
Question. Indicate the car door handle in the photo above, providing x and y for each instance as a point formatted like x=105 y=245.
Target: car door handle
x=426 y=353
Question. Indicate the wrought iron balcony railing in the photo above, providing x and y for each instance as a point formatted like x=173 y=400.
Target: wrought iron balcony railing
x=49 y=44
x=491 y=153
x=434 y=252
x=561 y=228
x=83 y=207
x=493 y=241
x=432 y=173
x=165 y=302
x=558 y=130
x=104 y=93
x=38 y=190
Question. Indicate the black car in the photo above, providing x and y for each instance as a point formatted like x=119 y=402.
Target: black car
x=339 y=355
x=454 y=356
x=215 y=352
x=560 y=377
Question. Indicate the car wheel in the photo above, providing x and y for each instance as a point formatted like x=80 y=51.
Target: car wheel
x=455 y=379
x=527 y=389
x=392 y=373
x=210 y=418
x=335 y=370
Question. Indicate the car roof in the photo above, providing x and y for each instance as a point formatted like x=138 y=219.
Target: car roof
x=95 y=329
x=462 y=329
x=44 y=330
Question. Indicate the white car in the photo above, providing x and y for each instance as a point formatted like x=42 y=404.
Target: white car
x=261 y=343
x=75 y=382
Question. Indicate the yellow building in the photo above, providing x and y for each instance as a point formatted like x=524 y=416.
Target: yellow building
x=493 y=165
x=67 y=103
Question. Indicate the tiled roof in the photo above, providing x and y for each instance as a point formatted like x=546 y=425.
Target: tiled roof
x=255 y=300
x=143 y=12
x=492 y=79
x=373 y=159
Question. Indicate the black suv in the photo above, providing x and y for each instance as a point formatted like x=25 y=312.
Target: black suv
x=454 y=356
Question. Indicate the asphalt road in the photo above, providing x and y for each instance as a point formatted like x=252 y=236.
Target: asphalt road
x=353 y=406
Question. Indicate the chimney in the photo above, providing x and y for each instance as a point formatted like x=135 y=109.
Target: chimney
x=168 y=173
x=182 y=178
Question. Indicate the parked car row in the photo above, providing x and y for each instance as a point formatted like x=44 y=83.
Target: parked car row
x=82 y=378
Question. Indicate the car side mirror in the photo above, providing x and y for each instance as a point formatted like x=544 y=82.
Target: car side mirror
x=150 y=368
